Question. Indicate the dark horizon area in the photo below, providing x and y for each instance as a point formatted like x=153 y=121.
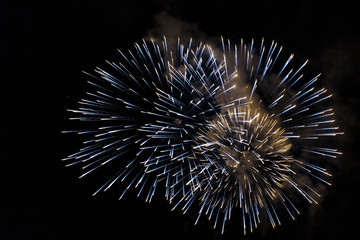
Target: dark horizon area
x=46 y=46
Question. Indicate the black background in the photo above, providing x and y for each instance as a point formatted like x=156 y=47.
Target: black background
x=46 y=45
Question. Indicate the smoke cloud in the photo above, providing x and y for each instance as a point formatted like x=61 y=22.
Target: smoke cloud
x=172 y=28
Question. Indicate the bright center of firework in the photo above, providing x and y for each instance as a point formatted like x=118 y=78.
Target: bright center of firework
x=240 y=162
x=246 y=157
x=240 y=158
x=247 y=144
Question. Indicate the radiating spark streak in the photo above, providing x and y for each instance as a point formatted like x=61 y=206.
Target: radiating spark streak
x=253 y=89
x=275 y=101
x=297 y=71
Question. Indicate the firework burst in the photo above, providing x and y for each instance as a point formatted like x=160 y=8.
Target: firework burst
x=147 y=109
x=250 y=165
x=215 y=125
x=258 y=154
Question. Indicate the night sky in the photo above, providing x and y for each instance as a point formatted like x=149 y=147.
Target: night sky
x=44 y=48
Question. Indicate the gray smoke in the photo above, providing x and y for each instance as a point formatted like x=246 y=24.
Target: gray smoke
x=172 y=28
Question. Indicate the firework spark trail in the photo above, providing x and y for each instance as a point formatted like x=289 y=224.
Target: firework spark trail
x=146 y=109
x=255 y=153
x=224 y=132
